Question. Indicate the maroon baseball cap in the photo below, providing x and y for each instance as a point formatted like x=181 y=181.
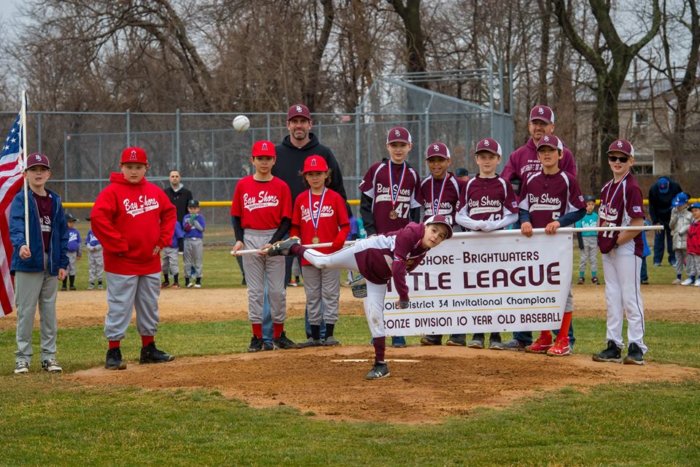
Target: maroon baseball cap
x=298 y=110
x=315 y=164
x=398 y=134
x=264 y=148
x=134 y=155
x=542 y=112
x=437 y=150
x=38 y=159
x=488 y=145
x=623 y=146
x=551 y=141
x=440 y=219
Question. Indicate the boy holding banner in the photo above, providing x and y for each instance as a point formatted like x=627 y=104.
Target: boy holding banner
x=551 y=199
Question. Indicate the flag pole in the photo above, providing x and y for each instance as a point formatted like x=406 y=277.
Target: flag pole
x=23 y=122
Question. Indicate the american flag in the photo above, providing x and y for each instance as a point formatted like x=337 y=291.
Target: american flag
x=10 y=183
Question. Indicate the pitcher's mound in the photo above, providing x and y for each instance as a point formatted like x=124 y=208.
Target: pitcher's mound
x=426 y=383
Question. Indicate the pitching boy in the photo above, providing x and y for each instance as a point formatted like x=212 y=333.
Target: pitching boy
x=135 y=220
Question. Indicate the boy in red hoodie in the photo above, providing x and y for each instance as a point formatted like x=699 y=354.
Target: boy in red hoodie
x=134 y=220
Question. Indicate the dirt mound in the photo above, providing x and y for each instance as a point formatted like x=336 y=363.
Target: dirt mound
x=426 y=384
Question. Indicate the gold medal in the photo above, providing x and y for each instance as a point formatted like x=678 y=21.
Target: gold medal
x=315 y=240
x=393 y=214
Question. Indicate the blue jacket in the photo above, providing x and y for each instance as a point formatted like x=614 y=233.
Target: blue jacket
x=59 y=236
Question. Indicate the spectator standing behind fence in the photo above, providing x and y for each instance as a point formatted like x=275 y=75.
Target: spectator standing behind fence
x=588 y=242
x=169 y=260
x=661 y=195
x=388 y=201
x=180 y=197
x=299 y=144
x=36 y=262
x=319 y=216
x=523 y=162
x=193 y=224
x=96 y=265
x=74 y=253
x=681 y=218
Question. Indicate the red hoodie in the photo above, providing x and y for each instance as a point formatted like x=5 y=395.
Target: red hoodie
x=130 y=220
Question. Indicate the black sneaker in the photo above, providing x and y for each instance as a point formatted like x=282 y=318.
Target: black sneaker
x=610 y=354
x=282 y=247
x=457 y=340
x=431 y=340
x=283 y=342
x=267 y=345
x=256 y=344
x=150 y=354
x=635 y=356
x=114 y=360
x=378 y=371
x=51 y=365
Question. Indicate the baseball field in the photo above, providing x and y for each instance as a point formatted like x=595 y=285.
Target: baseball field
x=217 y=404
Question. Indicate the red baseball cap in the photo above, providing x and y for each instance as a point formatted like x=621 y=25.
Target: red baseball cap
x=315 y=164
x=440 y=219
x=488 y=145
x=264 y=148
x=134 y=155
x=551 y=141
x=298 y=110
x=37 y=159
x=542 y=112
x=623 y=146
x=398 y=134
x=437 y=150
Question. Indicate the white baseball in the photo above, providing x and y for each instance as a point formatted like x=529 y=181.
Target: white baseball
x=241 y=123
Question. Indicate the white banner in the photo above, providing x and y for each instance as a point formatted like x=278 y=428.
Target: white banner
x=481 y=282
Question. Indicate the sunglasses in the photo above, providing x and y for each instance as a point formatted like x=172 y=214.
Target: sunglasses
x=622 y=159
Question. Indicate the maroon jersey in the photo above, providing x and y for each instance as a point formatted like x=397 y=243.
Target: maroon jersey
x=489 y=199
x=620 y=203
x=390 y=194
x=444 y=197
x=44 y=205
x=548 y=197
x=383 y=257
x=524 y=162
x=261 y=205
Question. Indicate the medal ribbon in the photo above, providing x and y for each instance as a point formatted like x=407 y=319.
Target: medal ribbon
x=317 y=218
x=436 y=202
x=395 y=196
x=608 y=198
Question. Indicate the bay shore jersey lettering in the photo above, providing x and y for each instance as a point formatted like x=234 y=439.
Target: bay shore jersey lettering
x=444 y=197
x=260 y=200
x=548 y=197
x=395 y=193
x=489 y=199
x=139 y=206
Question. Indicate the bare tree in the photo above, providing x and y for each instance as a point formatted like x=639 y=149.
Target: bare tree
x=410 y=13
x=610 y=63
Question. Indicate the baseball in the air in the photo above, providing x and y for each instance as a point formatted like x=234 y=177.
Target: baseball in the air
x=241 y=123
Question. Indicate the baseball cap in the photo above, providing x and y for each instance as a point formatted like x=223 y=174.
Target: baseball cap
x=398 y=134
x=440 y=219
x=551 y=141
x=70 y=218
x=542 y=112
x=315 y=164
x=298 y=110
x=193 y=203
x=38 y=159
x=679 y=200
x=461 y=172
x=588 y=198
x=489 y=145
x=623 y=146
x=437 y=150
x=134 y=155
x=695 y=205
x=264 y=148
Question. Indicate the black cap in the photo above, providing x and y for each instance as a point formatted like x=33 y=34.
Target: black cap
x=70 y=218
x=461 y=172
x=193 y=203
x=588 y=198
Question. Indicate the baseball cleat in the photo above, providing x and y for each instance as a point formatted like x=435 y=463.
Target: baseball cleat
x=282 y=247
x=378 y=371
x=331 y=341
x=514 y=344
x=457 y=340
x=560 y=348
x=114 y=360
x=431 y=340
x=310 y=342
x=542 y=344
x=150 y=354
x=635 y=356
x=611 y=354
x=283 y=343
x=256 y=344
